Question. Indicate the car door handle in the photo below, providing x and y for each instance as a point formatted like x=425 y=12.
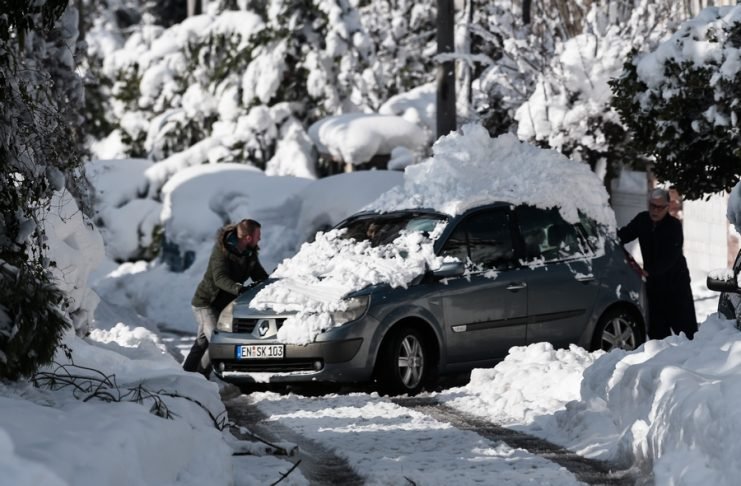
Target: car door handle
x=513 y=286
x=584 y=278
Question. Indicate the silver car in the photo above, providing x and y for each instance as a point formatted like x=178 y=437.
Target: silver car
x=522 y=275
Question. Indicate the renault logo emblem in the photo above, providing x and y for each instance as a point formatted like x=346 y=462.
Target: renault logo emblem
x=263 y=327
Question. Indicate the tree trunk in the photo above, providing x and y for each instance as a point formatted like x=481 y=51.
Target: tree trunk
x=446 y=117
x=195 y=7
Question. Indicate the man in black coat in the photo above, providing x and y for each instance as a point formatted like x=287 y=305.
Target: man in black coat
x=233 y=260
x=670 y=303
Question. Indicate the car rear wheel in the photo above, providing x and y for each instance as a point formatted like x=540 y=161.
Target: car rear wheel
x=404 y=362
x=618 y=329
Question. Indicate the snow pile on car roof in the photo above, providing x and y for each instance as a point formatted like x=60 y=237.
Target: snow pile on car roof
x=469 y=168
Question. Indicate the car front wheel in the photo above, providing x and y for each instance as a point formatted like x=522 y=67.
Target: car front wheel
x=403 y=363
x=618 y=329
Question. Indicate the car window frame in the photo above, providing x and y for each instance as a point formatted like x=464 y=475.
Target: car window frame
x=587 y=247
x=473 y=267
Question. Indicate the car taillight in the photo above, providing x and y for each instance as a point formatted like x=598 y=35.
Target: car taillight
x=634 y=265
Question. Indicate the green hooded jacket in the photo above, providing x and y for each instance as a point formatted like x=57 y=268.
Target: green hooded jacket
x=227 y=270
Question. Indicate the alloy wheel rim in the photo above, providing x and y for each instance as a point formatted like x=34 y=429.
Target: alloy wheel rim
x=618 y=333
x=411 y=361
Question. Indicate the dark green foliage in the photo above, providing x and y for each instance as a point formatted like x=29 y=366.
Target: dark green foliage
x=97 y=120
x=698 y=156
x=167 y=12
x=36 y=308
x=39 y=154
x=22 y=16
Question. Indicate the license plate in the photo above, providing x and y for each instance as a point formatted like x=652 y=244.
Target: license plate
x=260 y=351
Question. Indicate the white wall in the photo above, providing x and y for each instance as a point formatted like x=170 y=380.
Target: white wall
x=628 y=199
x=706 y=235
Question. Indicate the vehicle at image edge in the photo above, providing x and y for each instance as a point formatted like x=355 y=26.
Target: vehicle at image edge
x=729 y=303
x=552 y=284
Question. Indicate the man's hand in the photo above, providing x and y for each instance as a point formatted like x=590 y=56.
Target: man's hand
x=245 y=288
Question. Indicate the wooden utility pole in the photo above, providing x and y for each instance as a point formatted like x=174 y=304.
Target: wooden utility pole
x=446 y=118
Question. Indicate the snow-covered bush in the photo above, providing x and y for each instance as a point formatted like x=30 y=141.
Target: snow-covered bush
x=39 y=155
x=128 y=220
x=570 y=109
x=680 y=101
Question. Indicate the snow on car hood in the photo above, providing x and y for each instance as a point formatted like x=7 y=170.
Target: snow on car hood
x=469 y=168
x=314 y=281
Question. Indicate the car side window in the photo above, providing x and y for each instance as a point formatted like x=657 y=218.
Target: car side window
x=457 y=244
x=484 y=237
x=546 y=235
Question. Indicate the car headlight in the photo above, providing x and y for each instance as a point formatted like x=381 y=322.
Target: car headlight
x=356 y=307
x=224 y=323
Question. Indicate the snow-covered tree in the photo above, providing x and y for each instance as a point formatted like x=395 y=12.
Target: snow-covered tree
x=39 y=155
x=242 y=76
x=510 y=44
x=569 y=109
x=510 y=55
x=680 y=101
x=402 y=47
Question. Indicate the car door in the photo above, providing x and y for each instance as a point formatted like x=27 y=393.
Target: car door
x=562 y=287
x=485 y=310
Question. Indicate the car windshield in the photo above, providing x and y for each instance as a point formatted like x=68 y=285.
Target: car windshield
x=381 y=229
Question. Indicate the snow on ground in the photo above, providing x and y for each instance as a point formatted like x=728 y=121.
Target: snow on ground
x=388 y=444
x=668 y=408
x=96 y=433
x=120 y=410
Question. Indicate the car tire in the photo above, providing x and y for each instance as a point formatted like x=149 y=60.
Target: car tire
x=403 y=364
x=618 y=328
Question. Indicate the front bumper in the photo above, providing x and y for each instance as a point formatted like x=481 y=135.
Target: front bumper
x=331 y=361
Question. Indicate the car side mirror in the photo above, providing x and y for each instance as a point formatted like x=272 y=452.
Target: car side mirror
x=450 y=270
x=723 y=280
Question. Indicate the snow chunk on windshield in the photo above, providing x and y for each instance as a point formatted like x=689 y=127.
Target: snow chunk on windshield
x=469 y=168
x=314 y=281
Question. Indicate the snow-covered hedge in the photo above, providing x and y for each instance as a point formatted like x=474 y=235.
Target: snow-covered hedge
x=681 y=102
